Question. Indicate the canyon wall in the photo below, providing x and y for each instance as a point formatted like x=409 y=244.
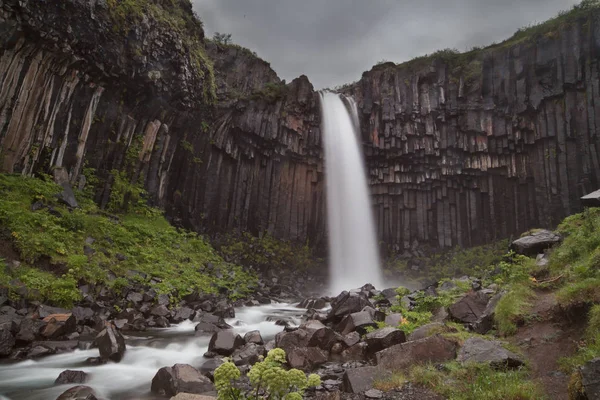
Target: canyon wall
x=462 y=149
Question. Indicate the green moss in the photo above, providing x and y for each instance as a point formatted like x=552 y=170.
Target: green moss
x=513 y=308
x=271 y=92
x=141 y=240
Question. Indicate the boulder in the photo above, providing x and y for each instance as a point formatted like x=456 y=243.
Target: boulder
x=324 y=338
x=248 y=354
x=67 y=196
x=180 y=378
x=357 y=352
x=590 y=378
x=135 y=297
x=384 y=338
x=160 y=311
x=253 y=337
x=358 y=322
x=7 y=342
x=291 y=340
x=10 y=322
x=183 y=314
x=83 y=315
x=359 y=380
x=69 y=376
x=485 y=322
x=44 y=311
x=425 y=331
x=469 y=309
x=58 y=325
x=78 y=393
x=224 y=310
x=351 y=339
x=111 y=344
x=347 y=303
x=29 y=330
x=306 y=358
x=434 y=349
x=536 y=243
x=208 y=368
x=316 y=303
x=393 y=319
x=225 y=343
x=591 y=199
x=482 y=351
x=208 y=323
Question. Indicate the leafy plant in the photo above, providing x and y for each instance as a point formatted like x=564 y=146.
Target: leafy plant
x=268 y=379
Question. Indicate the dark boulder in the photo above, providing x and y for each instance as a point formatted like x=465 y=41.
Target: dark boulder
x=29 y=330
x=224 y=310
x=7 y=342
x=160 y=311
x=306 y=358
x=183 y=314
x=135 y=297
x=590 y=379
x=347 y=303
x=325 y=338
x=291 y=340
x=485 y=322
x=78 y=393
x=83 y=315
x=44 y=311
x=58 y=325
x=469 y=309
x=358 y=321
x=180 y=378
x=357 y=352
x=359 y=380
x=248 y=354
x=208 y=368
x=536 y=243
x=209 y=323
x=482 y=351
x=384 y=338
x=225 y=343
x=316 y=303
x=434 y=349
x=111 y=344
x=70 y=376
x=253 y=337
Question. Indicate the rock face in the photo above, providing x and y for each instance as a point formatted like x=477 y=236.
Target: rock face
x=460 y=151
x=180 y=378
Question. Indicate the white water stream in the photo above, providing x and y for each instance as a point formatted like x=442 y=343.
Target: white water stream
x=130 y=379
x=353 y=254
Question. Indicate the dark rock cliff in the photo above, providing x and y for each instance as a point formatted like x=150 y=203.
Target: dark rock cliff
x=464 y=149
x=461 y=149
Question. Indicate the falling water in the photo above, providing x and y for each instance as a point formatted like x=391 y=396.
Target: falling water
x=354 y=258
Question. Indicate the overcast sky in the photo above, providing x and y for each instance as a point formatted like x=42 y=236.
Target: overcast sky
x=334 y=41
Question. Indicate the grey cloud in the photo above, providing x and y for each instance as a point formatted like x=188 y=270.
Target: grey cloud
x=334 y=41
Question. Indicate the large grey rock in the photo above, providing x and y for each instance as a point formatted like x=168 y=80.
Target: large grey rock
x=590 y=379
x=393 y=319
x=209 y=323
x=347 y=303
x=111 y=344
x=78 y=393
x=536 y=243
x=7 y=342
x=291 y=340
x=485 y=322
x=249 y=354
x=183 y=314
x=69 y=376
x=306 y=358
x=324 y=338
x=434 y=349
x=44 y=311
x=425 y=331
x=253 y=337
x=180 y=378
x=67 y=196
x=591 y=199
x=358 y=322
x=29 y=330
x=482 y=351
x=384 y=338
x=469 y=308
x=225 y=343
x=83 y=315
x=359 y=380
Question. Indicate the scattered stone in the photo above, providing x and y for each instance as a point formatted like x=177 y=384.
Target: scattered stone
x=180 y=378
x=70 y=376
x=111 y=344
x=373 y=394
x=434 y=349
x=358 y=321
x=384 y=338
x=324 y=338
x=351 y=339
x=393 y=319
x=590 y=378
x=253 y=337
x=225 y=343
x=485 y=322
x=29 y=330
x=83 y=315
x=78 y=393
x=135 y=297
x=209 y=323
x=160 y=311
x=359 y=380
x=358 y=352
x=476 y=349
x=183 y=314
x=536 y=243
x=469 y=308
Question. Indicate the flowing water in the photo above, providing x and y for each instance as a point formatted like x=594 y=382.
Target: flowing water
x=353 y=254
x=146 y=353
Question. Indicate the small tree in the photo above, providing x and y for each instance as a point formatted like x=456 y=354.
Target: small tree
x=222 y=38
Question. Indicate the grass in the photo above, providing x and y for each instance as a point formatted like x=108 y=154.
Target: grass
x=457 y=381
x=589 y=348
x=138 y=245
x=513 y=308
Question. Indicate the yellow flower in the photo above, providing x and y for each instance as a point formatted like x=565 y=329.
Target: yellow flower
x=403 y=321
x=532 y=279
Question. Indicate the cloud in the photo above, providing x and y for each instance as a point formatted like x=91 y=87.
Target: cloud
x=334 y=41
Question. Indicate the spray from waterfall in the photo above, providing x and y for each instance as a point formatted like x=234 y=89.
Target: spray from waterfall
x=353 y=254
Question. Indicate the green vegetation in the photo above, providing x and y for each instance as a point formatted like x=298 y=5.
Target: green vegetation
x=267 y=252
x=268 y=379
x=457 y=381
x=222 y=38
x=271 y=92
x=61 y=248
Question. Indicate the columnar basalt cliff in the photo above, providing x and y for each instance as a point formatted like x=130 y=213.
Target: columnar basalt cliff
x=138 y=95
x=464 y=149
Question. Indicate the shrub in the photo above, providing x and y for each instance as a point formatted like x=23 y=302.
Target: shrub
x=268 y=379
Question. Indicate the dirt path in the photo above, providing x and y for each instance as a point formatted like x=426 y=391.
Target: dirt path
x=544 y=341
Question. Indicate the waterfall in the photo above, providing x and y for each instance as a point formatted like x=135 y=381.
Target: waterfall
x=353 y=254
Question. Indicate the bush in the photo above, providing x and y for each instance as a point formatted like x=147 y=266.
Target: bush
x=268 y=379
